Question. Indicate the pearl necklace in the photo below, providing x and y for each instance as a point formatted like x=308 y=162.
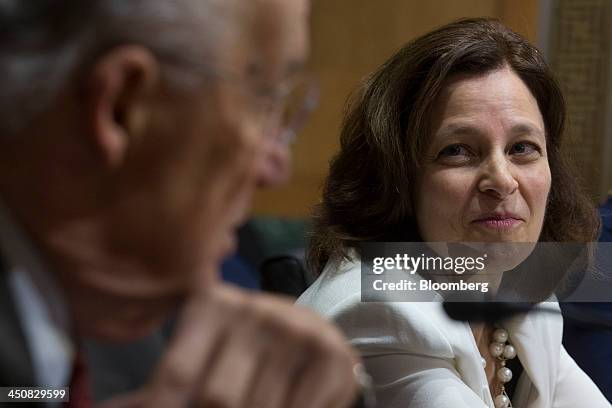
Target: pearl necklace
x=503 y=351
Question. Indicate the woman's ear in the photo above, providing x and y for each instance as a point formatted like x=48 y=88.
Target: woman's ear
x=120 y=87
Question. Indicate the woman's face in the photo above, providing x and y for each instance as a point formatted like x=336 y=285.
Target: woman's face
x=486 y=176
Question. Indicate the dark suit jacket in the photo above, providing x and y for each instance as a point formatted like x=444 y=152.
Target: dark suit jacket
x=113 y=368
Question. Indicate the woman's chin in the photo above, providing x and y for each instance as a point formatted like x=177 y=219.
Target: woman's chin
x=510 y=235
x=503 y=254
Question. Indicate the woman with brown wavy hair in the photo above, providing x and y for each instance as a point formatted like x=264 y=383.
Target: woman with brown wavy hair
x=456 y=138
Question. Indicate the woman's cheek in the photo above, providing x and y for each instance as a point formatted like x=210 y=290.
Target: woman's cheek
x=443 y=196
x=536 y=187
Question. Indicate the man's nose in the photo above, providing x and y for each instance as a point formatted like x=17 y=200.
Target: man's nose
x=496 y=177
x=274 y=166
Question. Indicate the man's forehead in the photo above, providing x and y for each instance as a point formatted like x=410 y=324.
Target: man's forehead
x=281 y=8
x=275 y=32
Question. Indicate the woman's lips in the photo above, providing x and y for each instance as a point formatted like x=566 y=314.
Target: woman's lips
x=498 y=223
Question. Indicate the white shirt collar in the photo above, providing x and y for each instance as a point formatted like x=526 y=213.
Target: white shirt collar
x=40 y=305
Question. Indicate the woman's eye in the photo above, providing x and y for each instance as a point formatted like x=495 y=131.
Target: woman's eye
x=524 y=149
x=455 y=150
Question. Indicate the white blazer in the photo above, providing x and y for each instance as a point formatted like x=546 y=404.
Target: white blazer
x=420 y=358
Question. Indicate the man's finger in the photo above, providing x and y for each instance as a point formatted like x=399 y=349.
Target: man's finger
x=227 y=381
x=135 y=399
x=326 y=382
x=197 y=337
x=276 y=374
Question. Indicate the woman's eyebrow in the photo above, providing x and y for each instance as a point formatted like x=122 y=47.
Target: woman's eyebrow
x=453 y=129
x=527 y=128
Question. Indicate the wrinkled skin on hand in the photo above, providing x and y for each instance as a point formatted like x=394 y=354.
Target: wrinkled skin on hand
x=237 y=349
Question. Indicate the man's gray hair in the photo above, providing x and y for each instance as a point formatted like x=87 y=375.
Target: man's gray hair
x=43 y=44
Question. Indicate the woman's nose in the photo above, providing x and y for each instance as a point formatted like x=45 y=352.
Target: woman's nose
x=496 y=177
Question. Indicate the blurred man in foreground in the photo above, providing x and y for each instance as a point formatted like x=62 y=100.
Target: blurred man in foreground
x=133 y=136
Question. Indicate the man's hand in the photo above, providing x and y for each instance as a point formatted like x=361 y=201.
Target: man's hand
x=235 y=349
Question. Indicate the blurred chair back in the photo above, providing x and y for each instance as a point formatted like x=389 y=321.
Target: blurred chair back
x=286 y=275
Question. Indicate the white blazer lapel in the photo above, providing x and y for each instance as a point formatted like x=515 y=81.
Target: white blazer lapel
x=537 y=339
x=467 y=356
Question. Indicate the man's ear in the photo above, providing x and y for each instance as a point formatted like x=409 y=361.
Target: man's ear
x=121 y=84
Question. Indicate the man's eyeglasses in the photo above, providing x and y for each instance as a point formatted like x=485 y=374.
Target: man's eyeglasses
x=292 y=108
x=284 y=108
